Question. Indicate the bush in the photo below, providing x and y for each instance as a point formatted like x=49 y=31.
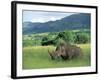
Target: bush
x=67 y=36
x=47 y=41
x=60 y=41
x=82 y=38
x=44 y=39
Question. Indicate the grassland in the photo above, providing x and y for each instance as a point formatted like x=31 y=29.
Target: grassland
x=36 y=57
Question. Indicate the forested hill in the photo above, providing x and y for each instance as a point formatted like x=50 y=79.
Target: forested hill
x=72 y=22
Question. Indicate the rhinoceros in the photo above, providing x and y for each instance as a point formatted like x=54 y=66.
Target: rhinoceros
x=66 y=51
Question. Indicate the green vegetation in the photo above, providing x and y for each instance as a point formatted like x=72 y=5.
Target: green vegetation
x=52 y=38
x=82 y=38
x=37 y=57
x=60 y=36
x=36 y=46
x=67 y=36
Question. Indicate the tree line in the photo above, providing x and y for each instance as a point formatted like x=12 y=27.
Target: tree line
x=69 y=36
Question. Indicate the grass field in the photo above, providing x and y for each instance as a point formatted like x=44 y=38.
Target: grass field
x=37 y=57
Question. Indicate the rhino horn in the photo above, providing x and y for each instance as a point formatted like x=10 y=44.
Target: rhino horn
x=51 y=54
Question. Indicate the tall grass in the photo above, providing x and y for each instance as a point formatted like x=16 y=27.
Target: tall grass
x=38 y=57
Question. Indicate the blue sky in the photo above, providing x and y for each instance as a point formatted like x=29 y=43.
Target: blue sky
x=43 y=16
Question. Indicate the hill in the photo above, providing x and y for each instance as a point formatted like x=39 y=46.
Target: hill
x=72 y=22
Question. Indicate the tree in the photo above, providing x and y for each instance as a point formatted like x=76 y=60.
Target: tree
x=47 y=41
x=44 y=39
x=67 y=36
x=82 y=38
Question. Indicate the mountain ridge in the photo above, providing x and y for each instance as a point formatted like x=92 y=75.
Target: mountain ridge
x=72 y=22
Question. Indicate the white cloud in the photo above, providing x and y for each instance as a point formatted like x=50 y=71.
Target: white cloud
x=43 y=16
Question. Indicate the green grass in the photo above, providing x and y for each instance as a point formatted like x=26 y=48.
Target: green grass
x=37 y=57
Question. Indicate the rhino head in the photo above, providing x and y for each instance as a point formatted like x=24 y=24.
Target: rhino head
x=54 y=54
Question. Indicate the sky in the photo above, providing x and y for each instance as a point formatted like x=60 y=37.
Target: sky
x=43 y=16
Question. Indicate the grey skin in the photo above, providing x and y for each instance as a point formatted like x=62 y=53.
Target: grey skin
x=74 y=51
x=66 y=52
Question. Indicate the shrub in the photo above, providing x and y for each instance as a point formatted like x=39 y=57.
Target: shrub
x=47 y=41
x=67 y=36
x=82 y=38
